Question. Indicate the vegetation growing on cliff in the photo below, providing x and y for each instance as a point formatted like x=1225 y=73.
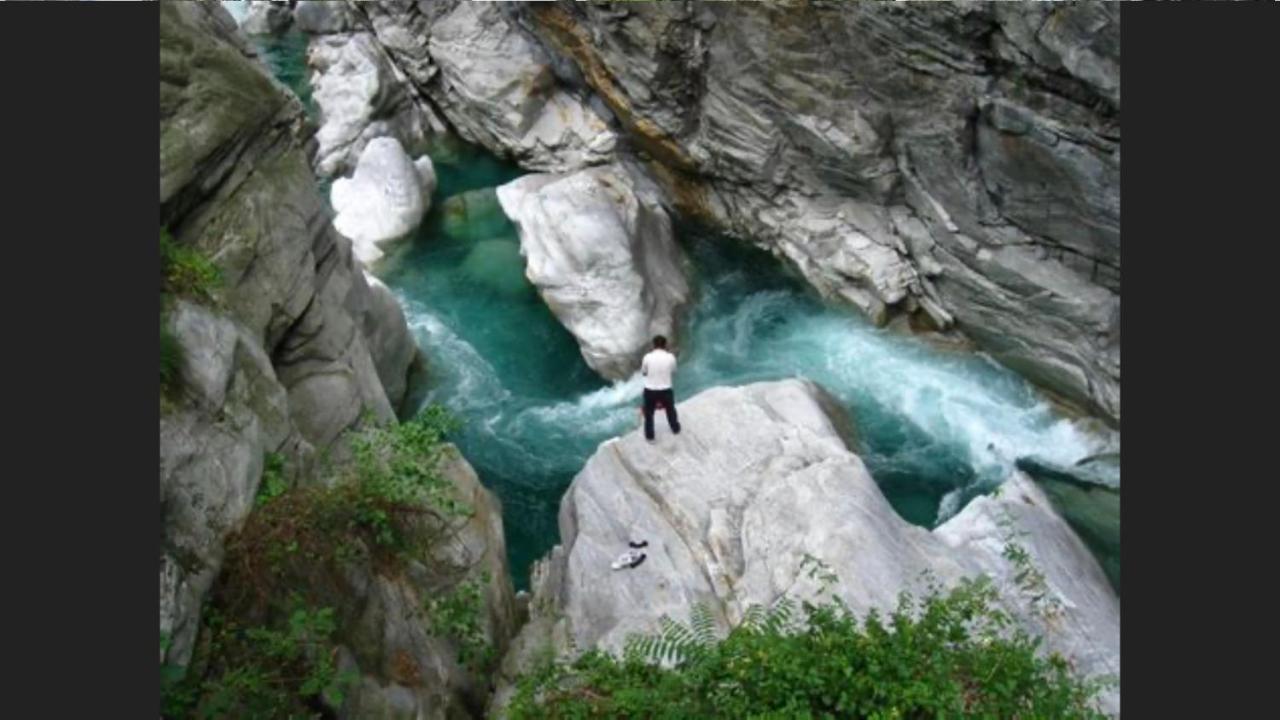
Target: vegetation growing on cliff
x=455 y=615
x=184 y=272
x=947 y=655
x=271 y=629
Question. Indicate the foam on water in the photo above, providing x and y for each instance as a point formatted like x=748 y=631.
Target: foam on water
x=239 y=9
x=935 y=428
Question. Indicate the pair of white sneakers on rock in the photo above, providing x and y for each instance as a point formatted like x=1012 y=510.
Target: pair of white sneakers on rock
x=632 y=557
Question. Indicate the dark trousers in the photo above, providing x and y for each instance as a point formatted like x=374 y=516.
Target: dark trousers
x=668 y=399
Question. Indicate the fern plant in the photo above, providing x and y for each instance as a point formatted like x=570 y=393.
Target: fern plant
x=774 y=620
x=945 y=655
x=675 y=643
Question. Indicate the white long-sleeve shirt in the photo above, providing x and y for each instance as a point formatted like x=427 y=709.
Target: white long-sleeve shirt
x=657 y=367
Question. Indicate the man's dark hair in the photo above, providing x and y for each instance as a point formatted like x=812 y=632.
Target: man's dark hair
x=659 y=342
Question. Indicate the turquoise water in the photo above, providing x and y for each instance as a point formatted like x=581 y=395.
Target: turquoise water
x=495 y=354
x=935 y=428
x=286 y=56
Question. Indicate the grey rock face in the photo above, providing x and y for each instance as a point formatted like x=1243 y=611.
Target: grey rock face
x=362 y=95
x=283 y=362
x=321 y=17
x=598 y=246
x=759 y=478
x=395 y=354
x=408 y=671
x=959 y=160
x=403 y=29
x=211 y=458
x=266 y=18
x=498 y=90
x=493 y=83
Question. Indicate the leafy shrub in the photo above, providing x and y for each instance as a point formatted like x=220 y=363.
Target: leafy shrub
x=1028 y=578
x=457 y=615
x=398 y=478
x=390 y=503
x=186 y=272
x=949 y=655
x=286 y=670
x=273 y=483
x=266 y=646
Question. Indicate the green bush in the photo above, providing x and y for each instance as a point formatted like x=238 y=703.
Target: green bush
x=397 y=478
x=391 y=502
x=950 y=655
x=273 y=483
x=457 y=614
x=186 y=272
x=266 y=646
x=286 y=670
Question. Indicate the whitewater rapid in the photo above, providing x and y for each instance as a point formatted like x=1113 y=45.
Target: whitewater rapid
x=935 y=427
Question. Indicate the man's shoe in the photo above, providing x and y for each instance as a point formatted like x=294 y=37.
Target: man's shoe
x=628 y=560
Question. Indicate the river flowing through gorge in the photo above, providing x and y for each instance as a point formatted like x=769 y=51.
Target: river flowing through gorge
x=935 y=427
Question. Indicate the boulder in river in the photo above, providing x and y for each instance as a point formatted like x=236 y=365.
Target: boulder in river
x=384 y=200
x=266 y=18
x=599 y=248
x=759 y=484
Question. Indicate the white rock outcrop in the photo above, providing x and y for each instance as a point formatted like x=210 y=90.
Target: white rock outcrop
x=384 y=200
x=598 y=246
x=498 y=89
x=361 y=95
x=761 y=478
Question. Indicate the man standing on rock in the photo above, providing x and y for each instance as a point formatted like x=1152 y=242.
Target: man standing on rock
x=657 y=367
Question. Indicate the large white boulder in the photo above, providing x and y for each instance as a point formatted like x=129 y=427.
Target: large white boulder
x=361 y=95
x=498 y=88
x=599 y=248
x=384 y=200
x=760 y=482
